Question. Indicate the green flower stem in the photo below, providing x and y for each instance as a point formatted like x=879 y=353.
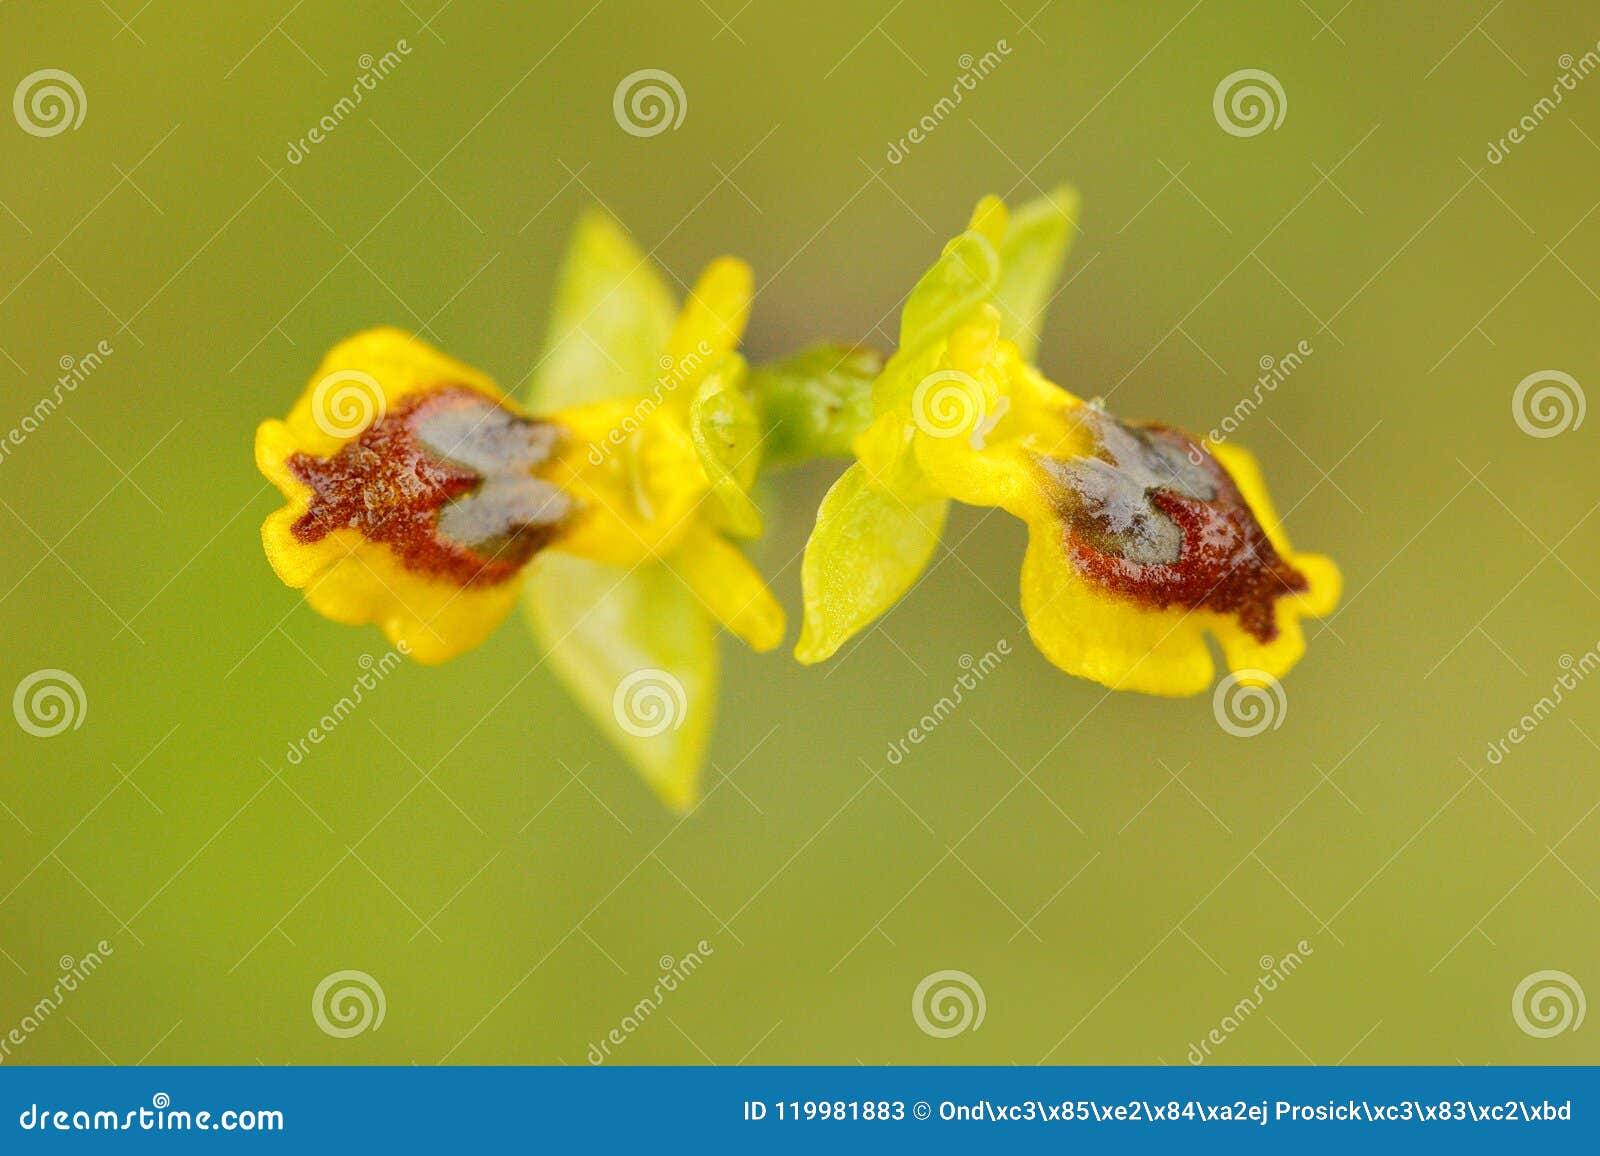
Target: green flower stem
x=813 y=403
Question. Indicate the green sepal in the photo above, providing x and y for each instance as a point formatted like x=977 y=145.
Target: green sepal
x=612 y=316
x=873 y=538
x=638 y=651
x=964 y=278
x=1031 y=255
x=815 y=402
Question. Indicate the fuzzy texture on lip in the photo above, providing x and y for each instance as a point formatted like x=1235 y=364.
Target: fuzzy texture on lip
x=346 y=575
x=1152 y=517
x=445 y=482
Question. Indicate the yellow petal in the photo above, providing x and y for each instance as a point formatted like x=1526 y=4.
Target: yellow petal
x=731 y=588
x=990 y=218
x=435 y=620
x=711 y=323
x=1322 y=577
x=633 y=470
x=1093 y=634
x=727 y=436
x=1243 y=651
x=363 y=377
x=1326 y=585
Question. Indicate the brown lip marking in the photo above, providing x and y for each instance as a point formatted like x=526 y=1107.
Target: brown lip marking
x=1153 y=517
x=446 y=481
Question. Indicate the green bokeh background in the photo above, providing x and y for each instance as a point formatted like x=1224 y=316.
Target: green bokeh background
x=1039 y=840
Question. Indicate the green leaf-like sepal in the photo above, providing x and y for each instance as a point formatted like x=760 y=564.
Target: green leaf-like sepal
x=874 y=536
x=638 y=650
x=612 y=317
x=1031 y=256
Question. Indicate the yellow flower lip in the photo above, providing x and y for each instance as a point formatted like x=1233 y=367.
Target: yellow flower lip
x=1152 y=517
x=446 y=481
x=410 y=496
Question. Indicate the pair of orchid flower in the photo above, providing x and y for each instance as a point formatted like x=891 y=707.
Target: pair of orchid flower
x=424 y=500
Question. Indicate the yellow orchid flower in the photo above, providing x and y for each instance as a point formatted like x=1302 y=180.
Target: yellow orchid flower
x=422 y=499
x=1141 y=539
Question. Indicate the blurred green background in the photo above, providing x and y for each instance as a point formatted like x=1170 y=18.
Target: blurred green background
x=1111 y=870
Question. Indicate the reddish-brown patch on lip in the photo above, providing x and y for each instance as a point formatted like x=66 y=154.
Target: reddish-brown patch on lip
x=445 y=480
x=1155 y=518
